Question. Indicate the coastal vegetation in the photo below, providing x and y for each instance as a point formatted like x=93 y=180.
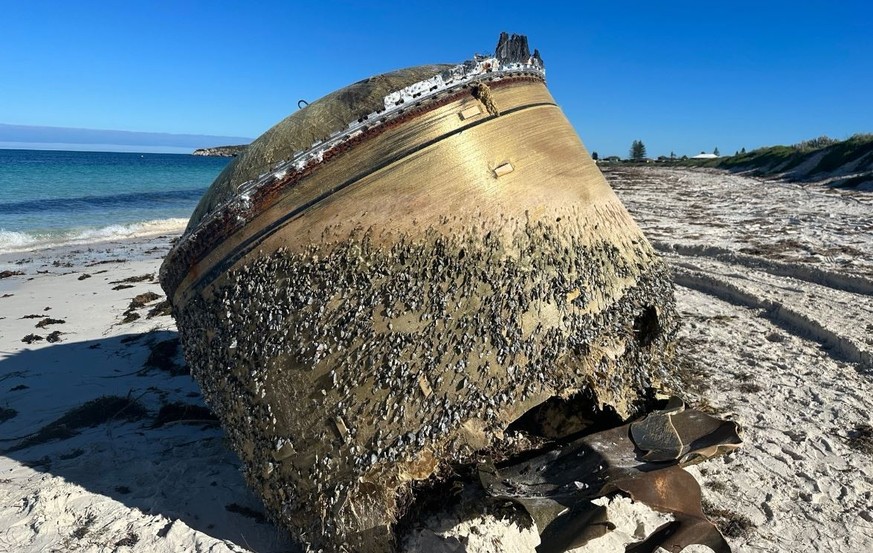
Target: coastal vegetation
x=838 y=163
x=845 y=163
x=638 y=150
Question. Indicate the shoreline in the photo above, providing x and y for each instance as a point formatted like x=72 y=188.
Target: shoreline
x=95 y=238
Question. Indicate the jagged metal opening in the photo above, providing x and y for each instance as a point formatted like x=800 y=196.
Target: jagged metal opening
x=647 y=327
x=559 y=419
x=556 y=421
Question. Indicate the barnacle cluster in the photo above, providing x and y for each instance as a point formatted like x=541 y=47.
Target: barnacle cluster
x=345 y=370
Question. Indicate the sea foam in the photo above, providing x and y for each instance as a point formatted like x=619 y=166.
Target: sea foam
x=15 y=241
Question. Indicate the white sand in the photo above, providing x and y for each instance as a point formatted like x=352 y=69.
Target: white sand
x=159 y=489
x=777 y=296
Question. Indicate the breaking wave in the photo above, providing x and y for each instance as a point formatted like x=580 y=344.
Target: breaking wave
x=15 y=241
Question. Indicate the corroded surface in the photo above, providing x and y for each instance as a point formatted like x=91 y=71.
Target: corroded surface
x=355 y=370
x=366 y=323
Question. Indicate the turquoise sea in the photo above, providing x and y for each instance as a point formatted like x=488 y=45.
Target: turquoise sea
x=54 y=197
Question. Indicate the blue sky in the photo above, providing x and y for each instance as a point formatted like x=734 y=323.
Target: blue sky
x=682 y=77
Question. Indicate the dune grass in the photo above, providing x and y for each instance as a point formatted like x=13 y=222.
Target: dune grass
x=834 y=155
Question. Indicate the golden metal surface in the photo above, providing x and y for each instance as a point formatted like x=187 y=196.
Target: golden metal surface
x=359 y=163
x=373 y=305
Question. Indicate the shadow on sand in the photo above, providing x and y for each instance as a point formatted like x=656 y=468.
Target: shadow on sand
x=88 y=412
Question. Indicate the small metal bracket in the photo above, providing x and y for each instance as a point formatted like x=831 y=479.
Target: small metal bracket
x=503 y=169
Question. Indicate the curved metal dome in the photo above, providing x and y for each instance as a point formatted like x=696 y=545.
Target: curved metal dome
x=303 y=128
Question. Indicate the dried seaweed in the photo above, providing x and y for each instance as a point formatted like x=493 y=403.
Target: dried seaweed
x=163 y=357
x=92 y=413
x=183 y=412
x=49 y=321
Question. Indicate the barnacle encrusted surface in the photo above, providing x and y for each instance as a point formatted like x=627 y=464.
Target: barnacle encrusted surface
x=346 y=370
x=369 y=311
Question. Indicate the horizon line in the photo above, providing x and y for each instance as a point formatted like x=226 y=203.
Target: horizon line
x=97 y=148
x=74 y=136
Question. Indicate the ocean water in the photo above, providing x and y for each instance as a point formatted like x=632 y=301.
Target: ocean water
x=56 y=197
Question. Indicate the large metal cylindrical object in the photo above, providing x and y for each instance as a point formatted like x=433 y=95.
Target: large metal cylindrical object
x=361 y=319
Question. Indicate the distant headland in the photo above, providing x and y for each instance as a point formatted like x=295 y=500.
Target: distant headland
x=220 y=151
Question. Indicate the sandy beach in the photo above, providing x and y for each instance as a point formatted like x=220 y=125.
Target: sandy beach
x=106 y=445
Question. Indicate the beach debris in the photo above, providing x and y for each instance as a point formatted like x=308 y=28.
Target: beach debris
x=7 y=274
x=49 y=321
x=122 y=287
x=162 y=309
x=130 y=316
x=83 y=276
x=84 y=526
x=7 y=413
x=363 y=317
x=163 y=355
x=77 y=452
x=187 y=413
x=31 y=338
x=247 y=512
x=43 y=463
x=643 y=459
x=861 y=438
x=134 y=279
x=138 y=302
x=141 y=300
x=106 y=261
x=131 y=539
x=92 y=413
x=729 y=523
